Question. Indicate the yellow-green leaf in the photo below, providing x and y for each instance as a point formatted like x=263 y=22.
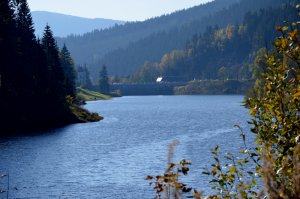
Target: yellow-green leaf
x=232 y=170
x=285 y=28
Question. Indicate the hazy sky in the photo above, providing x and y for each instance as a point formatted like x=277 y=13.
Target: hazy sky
x=130 y=10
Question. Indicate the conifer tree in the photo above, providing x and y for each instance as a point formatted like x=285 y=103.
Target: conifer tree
x=7 y=43
x=24 y=20
x=27 y=47
x=69 y=71
x=56 y=88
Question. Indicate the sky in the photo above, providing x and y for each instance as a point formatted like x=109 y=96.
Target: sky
x=127 y=10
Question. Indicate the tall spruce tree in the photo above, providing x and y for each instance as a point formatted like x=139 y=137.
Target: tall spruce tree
x=56 y=85
x=24 y=21
x=67 y=64
x=103 y=81
x=27 y=47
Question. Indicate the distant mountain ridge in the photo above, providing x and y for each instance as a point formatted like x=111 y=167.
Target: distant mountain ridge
x=64 y=25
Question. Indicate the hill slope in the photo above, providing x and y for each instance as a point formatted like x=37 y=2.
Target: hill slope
x=233 y=52
x=125 y=48
x=124 y=61
x=92 y=46
x=64 y=25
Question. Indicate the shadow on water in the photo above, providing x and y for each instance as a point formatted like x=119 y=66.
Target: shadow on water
x=12 y=133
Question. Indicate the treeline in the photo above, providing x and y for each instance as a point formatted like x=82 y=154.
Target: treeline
x=154 y=46
x=37 y=80
x=220 y=53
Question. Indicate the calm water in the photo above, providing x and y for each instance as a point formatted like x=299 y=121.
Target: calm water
x=111 y=158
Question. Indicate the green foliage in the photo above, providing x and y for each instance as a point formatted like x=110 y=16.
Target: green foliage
x=235 y=177
x=79 y=114
x=276 y=113
x=275 y=121
x=67 y=64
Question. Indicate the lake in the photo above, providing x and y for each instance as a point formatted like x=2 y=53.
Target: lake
x=111 y=158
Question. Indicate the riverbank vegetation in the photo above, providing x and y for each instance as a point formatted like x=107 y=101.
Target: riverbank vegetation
x=37 y=80
x=84 y=94
x=274 y=108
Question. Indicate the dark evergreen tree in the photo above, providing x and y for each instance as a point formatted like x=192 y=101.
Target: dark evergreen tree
x=103 y=81
x=56 y=90
x=24 y=21
x=69 y=71
x=27 y=50
x=7 y=48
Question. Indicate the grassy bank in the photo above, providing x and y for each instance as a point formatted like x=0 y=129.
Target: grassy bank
x=88 y=95
x=82 y=115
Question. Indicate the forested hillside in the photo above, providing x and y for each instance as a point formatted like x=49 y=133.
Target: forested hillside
x=90 y=47
x=125 y=48
x=37 y=80
x=125 y=60
x=220 y=53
